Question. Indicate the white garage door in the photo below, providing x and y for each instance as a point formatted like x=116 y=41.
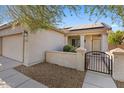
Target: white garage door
x=12 y=47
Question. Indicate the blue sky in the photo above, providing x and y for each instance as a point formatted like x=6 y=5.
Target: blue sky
x=3 y=12
x=76 y=20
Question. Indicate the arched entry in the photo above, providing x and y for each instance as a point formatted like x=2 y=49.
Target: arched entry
x=98 y=61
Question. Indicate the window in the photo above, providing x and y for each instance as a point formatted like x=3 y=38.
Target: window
x=73 y=42
x=76 y=42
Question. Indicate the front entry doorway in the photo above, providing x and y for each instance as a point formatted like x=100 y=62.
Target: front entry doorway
x=96 y=45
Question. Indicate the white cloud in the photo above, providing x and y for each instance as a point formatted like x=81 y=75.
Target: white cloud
x=114 y=25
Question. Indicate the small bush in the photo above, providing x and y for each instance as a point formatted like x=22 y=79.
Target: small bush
x=69 y=48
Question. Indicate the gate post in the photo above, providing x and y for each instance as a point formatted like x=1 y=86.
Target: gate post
x=118 y=64
x=81 y=58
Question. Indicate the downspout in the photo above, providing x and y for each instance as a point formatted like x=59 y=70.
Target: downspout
x=1 y=54
x=25 y=34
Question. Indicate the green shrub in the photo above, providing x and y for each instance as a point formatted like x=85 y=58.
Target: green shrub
x=69 y=48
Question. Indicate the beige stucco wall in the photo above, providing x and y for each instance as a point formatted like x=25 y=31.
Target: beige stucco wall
x=66 y=59
x=88 y=43
x=104 y=42
x=0 y=46
x=118 y=66
x=12 y=47
x=41 y=41
x=26 y=51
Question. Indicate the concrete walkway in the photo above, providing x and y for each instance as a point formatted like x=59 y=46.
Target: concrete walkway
x=10 y=78
x=98 y=80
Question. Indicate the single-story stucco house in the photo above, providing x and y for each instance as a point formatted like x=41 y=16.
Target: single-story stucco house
x=24 y=46
x=92 y=37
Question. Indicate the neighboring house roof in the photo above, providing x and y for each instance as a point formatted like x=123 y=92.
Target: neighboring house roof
x=88 y=26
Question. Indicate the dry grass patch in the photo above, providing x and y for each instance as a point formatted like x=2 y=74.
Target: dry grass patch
x=53 y=75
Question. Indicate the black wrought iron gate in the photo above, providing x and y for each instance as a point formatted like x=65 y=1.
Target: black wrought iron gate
x=98 y=61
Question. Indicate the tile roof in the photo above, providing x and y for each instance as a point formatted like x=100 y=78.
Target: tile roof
x=88 y=26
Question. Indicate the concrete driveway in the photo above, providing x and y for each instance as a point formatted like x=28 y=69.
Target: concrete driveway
x=6 y=63
x=10 y=78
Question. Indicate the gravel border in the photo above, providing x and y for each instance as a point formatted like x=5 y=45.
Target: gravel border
x=53 y=76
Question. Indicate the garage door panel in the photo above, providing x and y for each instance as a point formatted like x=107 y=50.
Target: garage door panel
x=12 y=47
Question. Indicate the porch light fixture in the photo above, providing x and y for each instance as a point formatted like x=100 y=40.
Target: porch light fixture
x=25 y=36
x=25 y=33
